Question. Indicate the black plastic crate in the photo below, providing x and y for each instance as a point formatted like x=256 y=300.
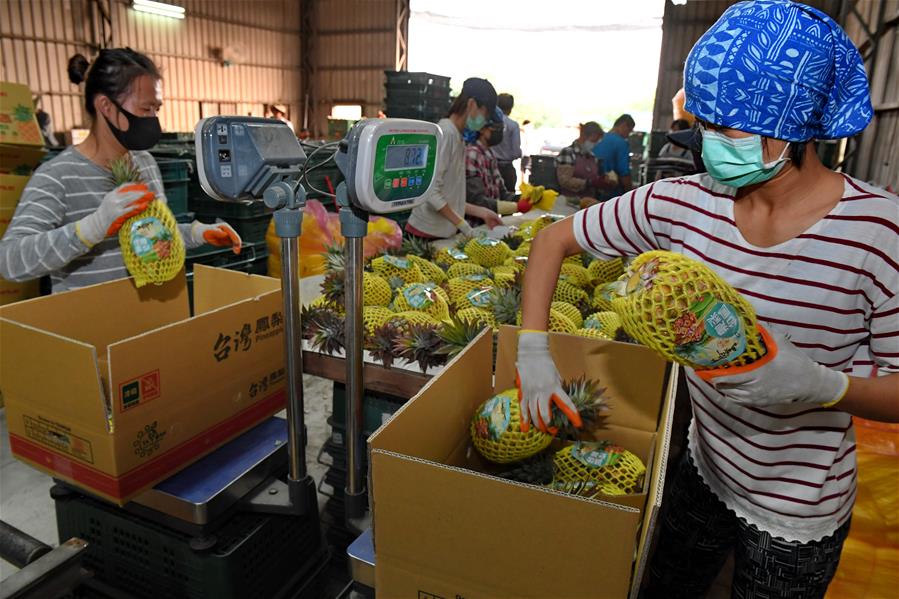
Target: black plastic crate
x=543 y=172
x=406 y=113
x=416 y=80
x=377 y=408
x=209 y=206
x=176 y=196
x=175 y=169
x=415 y=96
x=440 y=108
x=254 y=555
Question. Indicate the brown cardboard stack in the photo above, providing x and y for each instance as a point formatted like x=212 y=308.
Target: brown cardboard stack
x=443 y=528
x=114 y=388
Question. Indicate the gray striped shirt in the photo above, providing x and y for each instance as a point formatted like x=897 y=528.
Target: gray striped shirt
x=41 y=238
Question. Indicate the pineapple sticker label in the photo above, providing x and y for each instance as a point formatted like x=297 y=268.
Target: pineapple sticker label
x=710 y=333
x=488 y=242
x=596 y=455
x=457 y=254
x=150 y=239
x=493 y=419
x=419 y=296
x=402 y=263
x=479 y=298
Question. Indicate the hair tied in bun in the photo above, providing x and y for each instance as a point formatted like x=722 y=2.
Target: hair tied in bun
x=77 y=68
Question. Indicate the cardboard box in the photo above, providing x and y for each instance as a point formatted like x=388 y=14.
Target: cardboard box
x=20 y=160
x=444 y=528
x=18 y=123
x=114 y=388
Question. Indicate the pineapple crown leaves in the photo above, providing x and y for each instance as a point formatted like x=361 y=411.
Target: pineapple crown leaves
x=326 y=330
x=588 y=397
x=124 y=171
x=421 y=343
x=334 y=286
x=537 y=470
x=418 y=247
x=457 y=334
x=506 y=302
x=335 y=258
x=622 y=336
x=381 y=344
x=512 y=240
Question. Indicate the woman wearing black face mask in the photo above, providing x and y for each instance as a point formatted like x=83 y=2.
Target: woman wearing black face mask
x=66 y=222
x=483 y=181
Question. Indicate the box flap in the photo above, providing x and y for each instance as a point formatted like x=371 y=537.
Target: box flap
x=73 y=392
x=104 y=313
x=215 y=288
x=634 y=400
x=465 y=376
x=427 y=514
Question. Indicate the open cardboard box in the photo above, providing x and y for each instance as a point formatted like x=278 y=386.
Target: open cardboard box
x=443 y=527
x=114 y=388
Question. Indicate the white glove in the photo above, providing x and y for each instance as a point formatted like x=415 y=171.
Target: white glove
x=539 y=383
x=219 y=234
x=117 y=206
x=789 y=376
x=465 y=228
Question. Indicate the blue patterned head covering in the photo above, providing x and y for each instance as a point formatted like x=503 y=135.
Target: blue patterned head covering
x=779 y=69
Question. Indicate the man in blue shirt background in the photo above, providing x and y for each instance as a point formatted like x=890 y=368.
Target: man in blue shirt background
x=614 y=152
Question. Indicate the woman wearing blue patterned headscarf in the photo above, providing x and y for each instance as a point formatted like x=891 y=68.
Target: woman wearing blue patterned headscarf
x=770 y=471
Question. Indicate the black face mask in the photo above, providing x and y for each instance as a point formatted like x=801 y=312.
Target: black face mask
x=143 y=131
x=496 y=136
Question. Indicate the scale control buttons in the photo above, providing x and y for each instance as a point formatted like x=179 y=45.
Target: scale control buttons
x=404 y=182
x=396 y=183
x=222 y=132
x=224 y=155
x=418 y=180
x=225 y=170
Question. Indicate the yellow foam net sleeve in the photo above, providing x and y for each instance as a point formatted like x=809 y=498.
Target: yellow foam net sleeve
x=686 y=312
x=601 y=465
x=869 y=565
x=496 y=434
x=151 y=244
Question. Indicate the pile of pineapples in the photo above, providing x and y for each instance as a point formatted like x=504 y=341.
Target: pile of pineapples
x=423 y=306
x=575 y=464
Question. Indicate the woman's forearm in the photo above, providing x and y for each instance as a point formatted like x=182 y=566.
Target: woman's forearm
x=449 y=214
x=548 y=250
x=874 y=398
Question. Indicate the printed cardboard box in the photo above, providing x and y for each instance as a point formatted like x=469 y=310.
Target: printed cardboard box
x=114 y=388
x=11 y=187
x=443 y=527
x=18 y=123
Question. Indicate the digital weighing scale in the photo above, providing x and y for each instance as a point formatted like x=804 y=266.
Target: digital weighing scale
x=388 y=165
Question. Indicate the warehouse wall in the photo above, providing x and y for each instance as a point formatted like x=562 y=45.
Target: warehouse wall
x=354 y=43
x=261 y=37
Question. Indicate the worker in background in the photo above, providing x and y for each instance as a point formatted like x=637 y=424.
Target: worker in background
x=614 y=152
x=484 y=184
x=66 y=222
x=577 y=169
x=45 y=124
x=672 y=150
x=443 y=212
x=509 y=149
x=304 y=134
x=279 y=112
x=770 y=474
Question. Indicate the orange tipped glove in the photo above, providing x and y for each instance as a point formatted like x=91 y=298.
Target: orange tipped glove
x=784 y=375
x=117 y=206
x=217 y=234
x=539 y=384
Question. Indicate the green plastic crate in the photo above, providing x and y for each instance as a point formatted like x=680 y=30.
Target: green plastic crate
x=208 y=206
x=177 y=169
x=255 y=555
x=176 y=196
x=377 y=408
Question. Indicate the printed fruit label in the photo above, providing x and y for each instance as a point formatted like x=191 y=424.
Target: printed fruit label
x=456 y=254
x=488 y=242
x=419 y=296
x=474 y=278
x=402 y=263
x=592 y=323
x=632 y=281
x=150 y=239
x=479 y=298
x=492 y=421
x=710 y=333
x=596 y=454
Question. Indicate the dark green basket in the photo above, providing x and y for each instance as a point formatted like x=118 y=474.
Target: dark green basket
x=377 y=408
x=255 y=555
x=179 y=169
x=176 y=195
x=208 y=206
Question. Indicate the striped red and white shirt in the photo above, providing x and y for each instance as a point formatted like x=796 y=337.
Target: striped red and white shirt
x=789 y=470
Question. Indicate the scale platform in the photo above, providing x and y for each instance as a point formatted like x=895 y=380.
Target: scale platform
x=361 y=554
x=210 y=487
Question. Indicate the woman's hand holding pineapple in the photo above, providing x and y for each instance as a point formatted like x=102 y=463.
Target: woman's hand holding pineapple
x=539 y=383
x=120 y=204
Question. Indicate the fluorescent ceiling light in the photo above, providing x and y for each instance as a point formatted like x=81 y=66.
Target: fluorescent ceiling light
x=158 y=8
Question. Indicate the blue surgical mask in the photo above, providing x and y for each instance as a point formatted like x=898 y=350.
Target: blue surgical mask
x=738 y=162
x=476 y=122
x=469 y=136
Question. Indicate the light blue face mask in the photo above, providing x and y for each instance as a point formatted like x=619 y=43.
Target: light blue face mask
x=738 y=162
x=476 y=122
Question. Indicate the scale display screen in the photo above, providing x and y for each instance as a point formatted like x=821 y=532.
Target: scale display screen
x=405 y=156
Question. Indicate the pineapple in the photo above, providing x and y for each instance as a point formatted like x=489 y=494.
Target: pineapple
x=464 y=269
x=418 y=247
x=569 y=311
x=603 y=271
x=516 y=263
x=487 y=252
x=334 y=287
x=593 y=334
x=537 y=470
x=431 y=272
x=530 y=230
x=323 y=302
x=421 y=343
x=599 y=467
x=504 y=279
x=687 y=313
x=446 y=257
x=512 y=240
x=476 y=316
x=559 y=323
x=374 y=317
x=601 y=301
x=574 y=260
x=461 y=287
x=376 y=290
x=422 y=297
x=457 y=334
x=391 y=267
x=152 y=247
x=409 y=318
x=523 y=250
x=575 y=274
x=496 y=425
x=328 y=333
x=605 y=322
x=335 y=258
x=566 y=292
x=381 y=343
